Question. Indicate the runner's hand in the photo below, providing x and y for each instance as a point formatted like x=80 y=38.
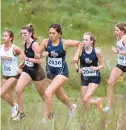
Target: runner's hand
x=94 y=68
x=115 y=50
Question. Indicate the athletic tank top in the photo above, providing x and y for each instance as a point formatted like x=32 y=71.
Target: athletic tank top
x=9 y=61
x=88 y=60
x=57 y=54
x=30 y=54
x=121 y=60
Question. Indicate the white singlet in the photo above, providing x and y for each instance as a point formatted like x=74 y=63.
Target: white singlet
x=121 y=48
x=9 y=61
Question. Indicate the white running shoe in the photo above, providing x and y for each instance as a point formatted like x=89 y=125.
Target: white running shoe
x=44 y=120
x=14 y=110
x=107 y=109
x=19 y=117
x=72 y=112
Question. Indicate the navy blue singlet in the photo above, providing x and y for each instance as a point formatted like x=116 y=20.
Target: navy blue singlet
x=86 y=61
x=56 y=64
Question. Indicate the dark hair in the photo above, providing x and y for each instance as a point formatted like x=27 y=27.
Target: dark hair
x=11 y=34
x=30 y=29
x=92 y=38
x=121 y=26
x=57 y=27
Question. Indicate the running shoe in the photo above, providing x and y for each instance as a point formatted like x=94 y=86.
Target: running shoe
x=14 y=110
x=72 y=112
x=19 y=116
x=44 y=120
x=51 y=115
x=107 y=109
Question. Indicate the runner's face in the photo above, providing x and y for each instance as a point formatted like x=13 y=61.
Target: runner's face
x=118 y=32
x=6 y=37
x=86 y=41
x=53 y=34
x=25 y=34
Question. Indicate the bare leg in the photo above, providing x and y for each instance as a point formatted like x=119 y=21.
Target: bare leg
x=63 y=98
x=23 y=80
x=56 y=83
x=114 y=76
x=40 y=87
x=87 y=98
x=6 y=91
x=83 y=92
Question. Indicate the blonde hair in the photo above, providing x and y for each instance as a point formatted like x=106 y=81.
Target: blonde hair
x=30 y=29
x=92 y=38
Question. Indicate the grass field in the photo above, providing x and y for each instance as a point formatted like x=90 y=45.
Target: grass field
x=82 y=121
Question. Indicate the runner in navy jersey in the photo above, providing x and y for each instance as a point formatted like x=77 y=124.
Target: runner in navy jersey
x=120 y=50
x=56 y=68
x=31 y=67
x=90 y=64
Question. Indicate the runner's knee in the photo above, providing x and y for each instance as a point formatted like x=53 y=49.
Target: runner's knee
x=110 y=83
x=85 y=99
x=48 y=95
x=18 y=90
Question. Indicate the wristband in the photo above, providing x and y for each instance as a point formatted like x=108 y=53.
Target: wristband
x=77 y=70
x=117 y=51
x=27 y=59
x=41 y=55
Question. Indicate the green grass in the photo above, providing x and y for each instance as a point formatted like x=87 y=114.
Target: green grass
x=82 y=120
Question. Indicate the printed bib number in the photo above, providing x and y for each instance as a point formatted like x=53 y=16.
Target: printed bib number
x=86 y=71
x=29 y=64
x=121 y=60
x=7 y=68
x=55 y=62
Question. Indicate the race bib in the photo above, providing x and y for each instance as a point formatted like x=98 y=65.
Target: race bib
x=122 y=60
x=29 y=64
x=55 y=62
x=7 y=68
x=86 y=71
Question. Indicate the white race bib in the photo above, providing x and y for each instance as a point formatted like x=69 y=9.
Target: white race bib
x=122 y=60
x=86 y=71
x=29 y=64
x=55 y=62
x=7 y=68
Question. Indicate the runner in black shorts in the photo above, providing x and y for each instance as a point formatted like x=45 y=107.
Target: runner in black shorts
x=56 y=68
x=9 y=58
x=120 y=50
x=31 y=68
x=90 y=64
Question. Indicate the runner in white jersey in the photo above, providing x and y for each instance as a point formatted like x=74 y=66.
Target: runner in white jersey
x=121 y=47
x=120 y=50
x=9 y=61
x=8 y=56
